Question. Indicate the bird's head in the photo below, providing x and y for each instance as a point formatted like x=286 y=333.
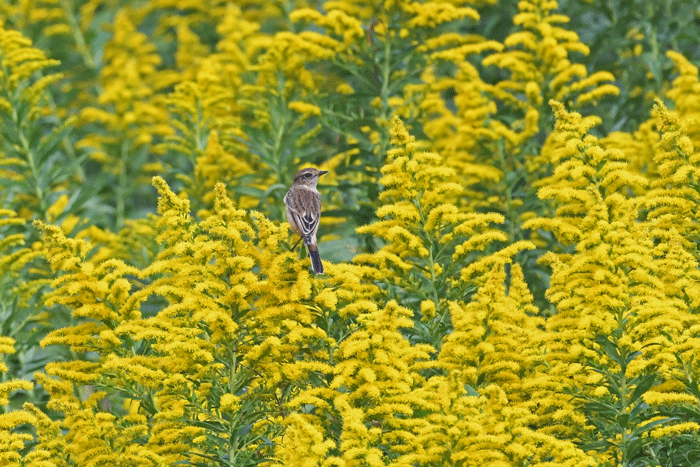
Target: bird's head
x=308 y=176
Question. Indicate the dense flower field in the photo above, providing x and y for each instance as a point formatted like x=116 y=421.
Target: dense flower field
x=510 y=233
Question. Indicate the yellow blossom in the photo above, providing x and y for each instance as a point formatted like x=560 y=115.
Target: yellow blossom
x=230 y=403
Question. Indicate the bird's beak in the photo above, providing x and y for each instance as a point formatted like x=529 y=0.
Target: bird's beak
x=322 y=172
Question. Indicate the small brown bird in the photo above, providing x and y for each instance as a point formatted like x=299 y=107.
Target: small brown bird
x=304 y=211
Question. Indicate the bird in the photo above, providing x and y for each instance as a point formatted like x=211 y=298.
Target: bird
x=303 y=203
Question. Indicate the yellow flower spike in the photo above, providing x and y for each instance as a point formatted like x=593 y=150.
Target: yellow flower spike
x=615 y=260
x=304 y=442
x=378 y=368
x=579 y=162
x=432 y=14
x=195 y=327
x=684 y=91
x=671 y=201
x=533 y=93
x=7 y=345
x=230 y=403
x=541 y=49
x=64 y=253
x=21 y=60
x=305 y=108
x=205 y=106
x=129 y=109
x=336 y=22
x=327 y=298
x=427 y=307
x=423 y=230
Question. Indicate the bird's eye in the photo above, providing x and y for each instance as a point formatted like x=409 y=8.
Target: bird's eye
x=307 y=176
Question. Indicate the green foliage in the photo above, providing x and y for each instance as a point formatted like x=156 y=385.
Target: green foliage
x=630 y=39
x=622 y=422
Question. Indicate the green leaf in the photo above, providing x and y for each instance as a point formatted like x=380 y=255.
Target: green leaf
x=643 y=385
x=471 y=391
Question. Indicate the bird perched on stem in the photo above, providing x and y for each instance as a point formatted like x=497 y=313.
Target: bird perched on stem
x=304 y=211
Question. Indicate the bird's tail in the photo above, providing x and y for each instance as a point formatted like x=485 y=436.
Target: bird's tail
x=316 y=263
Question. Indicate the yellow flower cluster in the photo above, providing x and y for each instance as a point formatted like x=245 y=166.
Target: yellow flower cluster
x=684 y=93
x=626 y=278
x=19 y=62
x=538 y=60
x=241 y=324
x=13 y=258
x=23 y=107
x=418 y=225
x=12 y=437
x=673 y=195
x=490 y=341
x=227 y=295
x=467 y=129
x=128 y=106
x=197 y=337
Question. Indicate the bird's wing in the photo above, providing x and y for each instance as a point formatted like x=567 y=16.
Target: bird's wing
x=305 y=207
